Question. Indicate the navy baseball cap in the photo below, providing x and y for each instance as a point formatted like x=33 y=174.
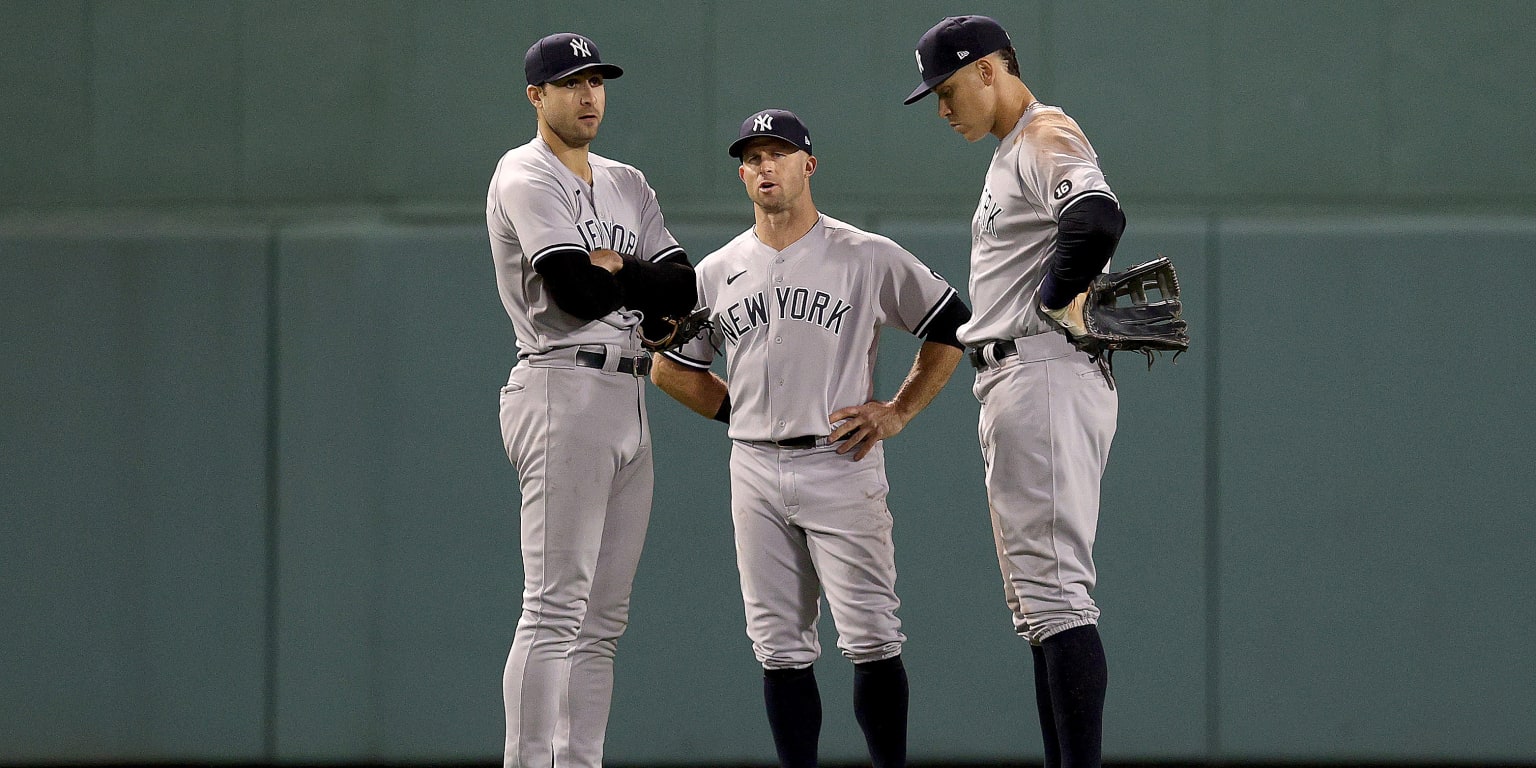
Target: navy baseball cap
x=951 y=44
x=564 y=54
x=775 y=123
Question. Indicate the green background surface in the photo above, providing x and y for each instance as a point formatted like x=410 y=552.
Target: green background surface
x=253 y=501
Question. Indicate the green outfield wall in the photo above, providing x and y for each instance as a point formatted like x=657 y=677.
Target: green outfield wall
x=254 y=505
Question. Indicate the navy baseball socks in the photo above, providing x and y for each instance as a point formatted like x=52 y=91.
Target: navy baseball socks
x=1070 y=678
x=880 y=704
x=1043 y=706
x=794 y=714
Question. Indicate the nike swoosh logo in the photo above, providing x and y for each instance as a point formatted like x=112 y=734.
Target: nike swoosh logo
x=732 y=278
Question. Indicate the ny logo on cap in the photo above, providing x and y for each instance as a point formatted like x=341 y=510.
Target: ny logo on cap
x=763 y=122
x=919 y=61
x=579 y=47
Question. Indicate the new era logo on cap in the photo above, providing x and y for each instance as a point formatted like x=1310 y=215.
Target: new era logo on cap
x=948 y=44
x=561 y=55
x=773 y=123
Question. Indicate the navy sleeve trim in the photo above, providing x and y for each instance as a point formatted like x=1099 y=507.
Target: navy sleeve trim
x=922 y=327
x=1084 y=195
x=669 y=253
x=557 y=248
x=682 y=359
x=945 y=325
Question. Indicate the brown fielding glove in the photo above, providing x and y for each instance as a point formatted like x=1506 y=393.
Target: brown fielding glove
x=671 y=333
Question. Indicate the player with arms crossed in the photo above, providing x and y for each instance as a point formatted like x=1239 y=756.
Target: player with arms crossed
x=797 y=302
x=1047 y=224
x=580 y=246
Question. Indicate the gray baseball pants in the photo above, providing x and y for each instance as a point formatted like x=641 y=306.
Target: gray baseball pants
x=807 y=521
x=581 y=444
x=1048 y=416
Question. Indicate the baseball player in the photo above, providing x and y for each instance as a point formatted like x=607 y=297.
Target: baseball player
x=798 y=302
x=579 y=244
x=1047 y=223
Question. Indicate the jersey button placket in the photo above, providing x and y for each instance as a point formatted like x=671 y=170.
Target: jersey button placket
x=778 y=278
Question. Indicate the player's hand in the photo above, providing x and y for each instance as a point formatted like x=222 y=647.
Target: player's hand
x=607 y=259
x=1071 y=316
x=865 y=425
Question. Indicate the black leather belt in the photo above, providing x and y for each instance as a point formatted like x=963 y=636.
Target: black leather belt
x=1001 y=350
x=803 y=441
x=639 y=365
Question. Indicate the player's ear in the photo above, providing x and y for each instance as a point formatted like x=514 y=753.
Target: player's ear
x=535 y=96
x=989 y=68
x=741 y=172
x=810 y=164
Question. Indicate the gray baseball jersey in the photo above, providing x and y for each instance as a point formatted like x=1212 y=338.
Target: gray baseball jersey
x=574 y=425
x=1042 y=167
x=536 y=207
x=1048 y=415
x=801 y=326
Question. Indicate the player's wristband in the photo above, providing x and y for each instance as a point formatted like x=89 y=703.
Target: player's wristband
x=724 y=414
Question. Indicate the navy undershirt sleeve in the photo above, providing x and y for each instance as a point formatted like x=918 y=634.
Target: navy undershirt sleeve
x=664 y=287
x=577 y=285
x=1086 y=236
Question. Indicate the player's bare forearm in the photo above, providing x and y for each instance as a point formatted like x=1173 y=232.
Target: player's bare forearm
x=701 y=390
x=931 y=370
x=860 y=427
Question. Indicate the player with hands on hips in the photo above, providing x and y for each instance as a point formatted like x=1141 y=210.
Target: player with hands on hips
x=583 y=259
x=797 y=303
x=862 y=427
x=1046 y=225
